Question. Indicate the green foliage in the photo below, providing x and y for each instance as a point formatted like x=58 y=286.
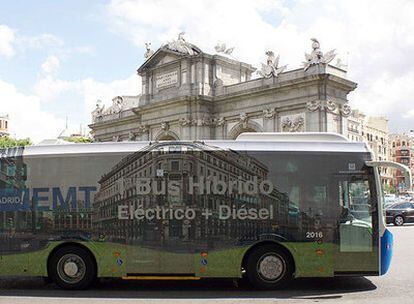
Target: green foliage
x=389 y=189
x=78 y=139
x=7 y=142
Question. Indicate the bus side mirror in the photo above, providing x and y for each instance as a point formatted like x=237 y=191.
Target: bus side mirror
x=403 y=168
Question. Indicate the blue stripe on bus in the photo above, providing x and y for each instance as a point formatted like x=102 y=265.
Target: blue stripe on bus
x=386 y=251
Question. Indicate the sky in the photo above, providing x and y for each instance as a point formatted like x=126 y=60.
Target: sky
x=58 y=57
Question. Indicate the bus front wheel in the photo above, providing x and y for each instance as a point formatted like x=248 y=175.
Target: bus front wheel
x=72 y=267
x=269 y=267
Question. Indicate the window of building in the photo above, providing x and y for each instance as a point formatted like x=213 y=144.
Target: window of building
x=175 y=165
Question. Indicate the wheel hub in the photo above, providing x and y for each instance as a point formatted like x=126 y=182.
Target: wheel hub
x=70 y=269
x=271 y=267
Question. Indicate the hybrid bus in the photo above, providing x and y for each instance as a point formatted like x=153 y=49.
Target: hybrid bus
x=268 y=207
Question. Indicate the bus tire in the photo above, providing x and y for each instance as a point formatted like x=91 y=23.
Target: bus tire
x=269 y=267
x=399 y=220
x=72 y=267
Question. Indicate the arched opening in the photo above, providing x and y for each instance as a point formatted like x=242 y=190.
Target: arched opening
x=166 y=135
x=241 y=128
x=242 y=131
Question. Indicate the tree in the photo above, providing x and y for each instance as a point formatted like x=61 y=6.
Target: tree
x=78 y=139
x=389 y=188
x=7 y=142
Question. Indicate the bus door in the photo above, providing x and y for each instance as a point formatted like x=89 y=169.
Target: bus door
x=177 y=254
x=163 y=240
x=356 y=235
x=143 y=254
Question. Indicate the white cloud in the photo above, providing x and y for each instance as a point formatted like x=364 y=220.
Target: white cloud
x=42 y=41
x=376 y=35
x=86 y=49
x=27 y=119
x=409 y=114
x=388 y=93
x=12 y=41
x=7 y=38
x=50 y=88
x=50 y=65
x=93 y=90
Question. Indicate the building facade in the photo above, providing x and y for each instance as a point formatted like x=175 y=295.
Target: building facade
x=402 y=151
x=190 y=95
x=13 y=176
x=374 y=131
x=4 y=125
x=355 y=125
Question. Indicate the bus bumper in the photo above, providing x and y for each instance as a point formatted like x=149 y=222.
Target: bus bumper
x=386 y=251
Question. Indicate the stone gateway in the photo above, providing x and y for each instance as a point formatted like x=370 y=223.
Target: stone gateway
x=191 y=95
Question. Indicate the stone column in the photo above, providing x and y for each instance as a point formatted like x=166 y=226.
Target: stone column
x=345 y=111
x=314 y=116
x=269 y=120
x=218 y=126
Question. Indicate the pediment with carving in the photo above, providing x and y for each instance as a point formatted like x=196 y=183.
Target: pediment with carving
x=160 y=57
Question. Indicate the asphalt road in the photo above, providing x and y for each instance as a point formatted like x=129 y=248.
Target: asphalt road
x=396 y=287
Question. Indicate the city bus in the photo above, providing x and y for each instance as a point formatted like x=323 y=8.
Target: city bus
x=268 y=207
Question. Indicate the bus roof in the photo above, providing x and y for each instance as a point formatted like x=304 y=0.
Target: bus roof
x=280 y=142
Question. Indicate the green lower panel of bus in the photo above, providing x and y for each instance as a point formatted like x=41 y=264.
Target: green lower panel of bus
x=34 y=263
x=311 y=260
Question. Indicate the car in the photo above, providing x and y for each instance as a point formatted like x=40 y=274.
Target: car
x=400 y=213
x=389 y=200
x=404 y=198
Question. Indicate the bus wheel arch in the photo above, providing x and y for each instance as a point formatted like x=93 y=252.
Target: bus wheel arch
x=269 y=248
x=72 y=253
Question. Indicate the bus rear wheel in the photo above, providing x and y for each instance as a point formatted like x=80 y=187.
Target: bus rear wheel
x=72 y=267
x=269 y=267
